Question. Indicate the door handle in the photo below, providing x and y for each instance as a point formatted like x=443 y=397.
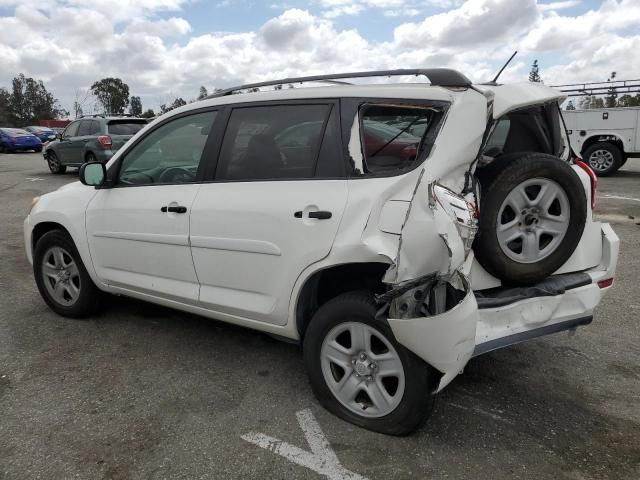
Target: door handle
x=320 y=214
x=174 y=209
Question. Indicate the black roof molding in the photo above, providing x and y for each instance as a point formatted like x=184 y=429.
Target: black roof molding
x=442 y=77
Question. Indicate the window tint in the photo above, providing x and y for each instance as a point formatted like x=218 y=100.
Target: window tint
x=391 y=135
x=88 y=127
x=72 y=129
x=170 y=153
x=498 y=137
x=125 y=128
x=272 y=142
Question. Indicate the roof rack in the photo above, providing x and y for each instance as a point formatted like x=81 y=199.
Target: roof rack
x=105 y=115
x=442 y=77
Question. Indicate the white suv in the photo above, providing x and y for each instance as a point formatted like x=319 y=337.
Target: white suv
x=344 y=217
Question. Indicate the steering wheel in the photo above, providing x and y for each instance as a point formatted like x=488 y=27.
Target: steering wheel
x=176 y=175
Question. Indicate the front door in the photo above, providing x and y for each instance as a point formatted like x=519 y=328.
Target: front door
x=139 y=230
x=66 y=143
x=268 y=214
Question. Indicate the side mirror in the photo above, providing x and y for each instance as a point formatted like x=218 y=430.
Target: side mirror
x=93 y=174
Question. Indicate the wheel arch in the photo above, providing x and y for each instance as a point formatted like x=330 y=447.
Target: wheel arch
x=326 y=283
x=598 y=138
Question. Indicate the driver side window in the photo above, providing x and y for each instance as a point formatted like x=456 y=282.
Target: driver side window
x=170 y=154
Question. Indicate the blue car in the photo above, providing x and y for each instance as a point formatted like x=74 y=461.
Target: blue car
x=45 y=134
x=16 y=139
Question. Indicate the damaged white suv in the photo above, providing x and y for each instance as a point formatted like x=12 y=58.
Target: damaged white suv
x=395 y=231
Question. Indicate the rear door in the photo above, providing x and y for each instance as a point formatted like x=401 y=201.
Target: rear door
x=272 y=209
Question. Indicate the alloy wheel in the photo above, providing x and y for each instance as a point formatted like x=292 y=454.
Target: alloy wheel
x=61 y=276
x=533 y=220
x=601 y=160
x=362 y=369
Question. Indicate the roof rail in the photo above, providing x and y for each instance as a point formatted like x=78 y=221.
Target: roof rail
x=442 y=77
x=89 y=115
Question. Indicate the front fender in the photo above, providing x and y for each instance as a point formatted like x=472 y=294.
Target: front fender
x=65 y=207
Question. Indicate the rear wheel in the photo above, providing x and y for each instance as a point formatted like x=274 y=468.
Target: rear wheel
x=604 y=158
x=54 y=163
x=360 y=373
x=90 y=157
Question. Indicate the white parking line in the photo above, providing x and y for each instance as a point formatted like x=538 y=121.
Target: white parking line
x=322 y=459
x=34 y=179
x=620 y=197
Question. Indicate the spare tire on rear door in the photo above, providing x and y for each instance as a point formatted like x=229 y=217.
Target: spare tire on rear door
x=532 y=213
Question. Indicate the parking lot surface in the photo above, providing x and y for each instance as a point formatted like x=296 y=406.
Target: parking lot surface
x=142 y=391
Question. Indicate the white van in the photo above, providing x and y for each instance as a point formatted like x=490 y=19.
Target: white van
x=605 y=137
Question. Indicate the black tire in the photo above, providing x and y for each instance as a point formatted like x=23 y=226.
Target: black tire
x=89 y=297
x=38 y=150
x=90 y=157
x=420 y=379
x=511 y=173
x=54 y=163
x=612 y=149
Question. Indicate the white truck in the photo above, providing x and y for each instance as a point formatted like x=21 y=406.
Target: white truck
x=605 y=137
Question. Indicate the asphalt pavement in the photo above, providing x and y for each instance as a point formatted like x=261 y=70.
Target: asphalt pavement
x=142 y=391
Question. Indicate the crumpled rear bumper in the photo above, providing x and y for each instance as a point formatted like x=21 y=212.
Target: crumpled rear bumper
x=445 y=341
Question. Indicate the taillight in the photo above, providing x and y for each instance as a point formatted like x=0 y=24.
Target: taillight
x=105 y=141
x=605 y=283
x=592 y=177
x=465 y=214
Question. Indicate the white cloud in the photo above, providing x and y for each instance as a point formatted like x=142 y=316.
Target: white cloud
x=70 y=46
x=558 y=5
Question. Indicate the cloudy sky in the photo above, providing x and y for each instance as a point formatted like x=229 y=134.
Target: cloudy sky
x=168 y=48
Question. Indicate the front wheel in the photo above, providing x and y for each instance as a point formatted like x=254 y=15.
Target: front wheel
x=359 y=372
x=62 y=278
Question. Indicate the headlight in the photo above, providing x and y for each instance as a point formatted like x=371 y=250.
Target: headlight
x=34 y=201
x=464 y=214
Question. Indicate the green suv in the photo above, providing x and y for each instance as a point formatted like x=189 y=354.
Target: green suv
x=90 y=139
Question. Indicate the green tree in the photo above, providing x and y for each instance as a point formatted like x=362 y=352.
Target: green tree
x=148 y=114
x=30 y=101
x=611 y=99
x=597 y=102
x=136 y=106
x=112 y=93
x=534 y=74
x=178 y=102
x=5 y=107
x=203 y=93
x=627 y=100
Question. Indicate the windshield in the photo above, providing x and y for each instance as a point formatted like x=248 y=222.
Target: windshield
x=126 y=127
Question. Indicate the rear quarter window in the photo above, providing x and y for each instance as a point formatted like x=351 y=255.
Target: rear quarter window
x=394 y=138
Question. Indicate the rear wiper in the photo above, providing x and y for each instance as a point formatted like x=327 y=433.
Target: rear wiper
x=398 y=134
